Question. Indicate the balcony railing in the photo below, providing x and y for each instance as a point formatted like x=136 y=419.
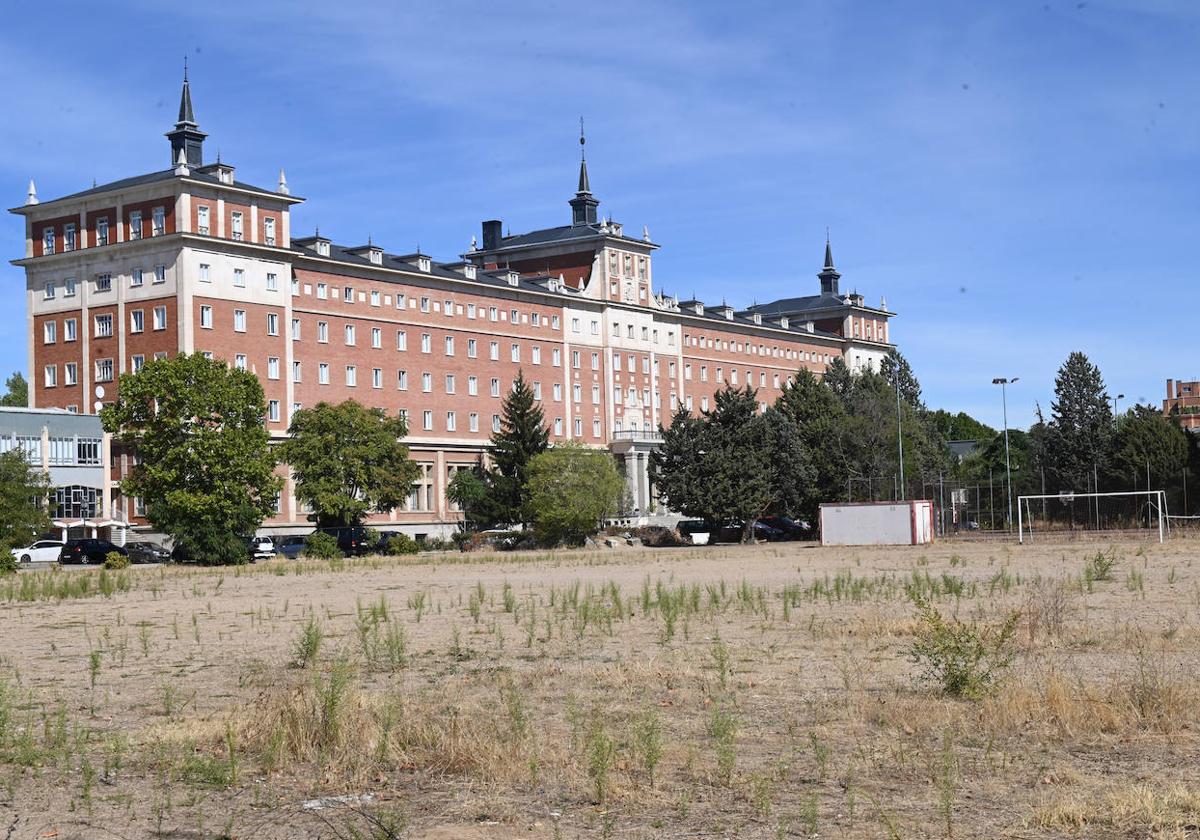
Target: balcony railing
x=637 y=434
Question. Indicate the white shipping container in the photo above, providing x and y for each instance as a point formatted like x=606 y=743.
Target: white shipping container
x=877 y=523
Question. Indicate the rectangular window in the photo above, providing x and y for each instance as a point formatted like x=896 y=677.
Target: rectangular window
x=448 y=308
x=239 y=361
x=351 y=376
x=449 y=383
x=69 y=236
x=451 y=422
x=295 y=329
x=376 y=337
x=48 y=240
x=202 y=226
x=104 y=370
x=575 y=359
x=272 y=323
x=102 y=231
x=535 y=320
x=495 y=387
x=427 y=421
x=427 y=382
x=296 y=372
x=595 y=395
x=103 y=282
x=160 y=317
x=50 y=332
x=349 y=335
x=159 y=221
x=473 y=386
x=703 y=373
x=578 y=427
x=160 y=274
x=236 y=229
x=595 y=361
x=556 y=357
x=273 y=411
x=375 y=299
x=272 y=282
x=269 y=230
x=323 y=374
x=135 y=277
x=537 y=390
x=516 y=352
x=424 y=304
x=69 y=329
x=574 y=325
x=595 y=327
x=472 y=348
x=51 y=376
x=471 y=311
x=139 y=362
x=103 y=326
x=137 y=321
x=449 y=345
x=348 y=294
x=558 y=426
x=596 y=427
x=70 y=373
x=272 y=367
x=239 y=277
x=69 y=287
x=205 y=273
x=495 y=422
x=426 y=343
x=206 y=317
x=493 y=314
x=322 y=332
x=577 y=392
x=376 y=377
x=473 y=421
x=557 y=390
x=296 y=286
x=535 y=355
x=402 y=380
x=322 y=291
x=401 y=340
x=239 y=320
x=494 y=351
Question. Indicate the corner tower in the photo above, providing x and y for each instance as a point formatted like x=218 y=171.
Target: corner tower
x=187 y=136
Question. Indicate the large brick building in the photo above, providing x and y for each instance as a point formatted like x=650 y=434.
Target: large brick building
x=191 y=259
x=1183 y=402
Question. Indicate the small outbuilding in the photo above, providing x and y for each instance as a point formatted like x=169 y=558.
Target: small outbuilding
x=908 y=522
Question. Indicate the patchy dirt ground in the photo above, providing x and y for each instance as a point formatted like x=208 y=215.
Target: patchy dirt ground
x=722 y=692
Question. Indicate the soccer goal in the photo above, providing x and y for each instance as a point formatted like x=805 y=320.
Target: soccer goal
x=1143 y=511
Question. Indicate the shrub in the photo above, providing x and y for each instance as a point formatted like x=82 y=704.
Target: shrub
x=322 y=546
x=307 y=644
x=116 y=560
x=965 y=659
x=8 y=564
x=1100 y=567
x=434 y=544
x=211 y=547
x=402 y=544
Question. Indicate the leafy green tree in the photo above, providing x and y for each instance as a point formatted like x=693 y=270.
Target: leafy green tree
x=1081 y=425
x=1145 y=439
x=471 y=490
x=205 y=472
x=23 y=499
x=572 y=489
x=348 y=460
x=961 y=426
x=522 y=436
x=18 y=391
x=839 y=378
x=734 y=463
x=895 y=367
x=822 y=424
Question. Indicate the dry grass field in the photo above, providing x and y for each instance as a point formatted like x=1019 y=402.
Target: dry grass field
x=725 y=692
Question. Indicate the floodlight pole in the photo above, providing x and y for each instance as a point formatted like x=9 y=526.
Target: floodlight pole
x=899 y=427
x=1003 y=382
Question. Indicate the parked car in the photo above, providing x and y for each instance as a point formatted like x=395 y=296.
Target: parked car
x=291 y=547
x=261 y=548
x=791 y=528
x=352 y=540
x=41 y=551
x=88 y=551
x=696 y=530
x=147 y=552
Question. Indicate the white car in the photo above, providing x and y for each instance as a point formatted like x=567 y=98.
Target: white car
x=42 y=551
x=263 y=548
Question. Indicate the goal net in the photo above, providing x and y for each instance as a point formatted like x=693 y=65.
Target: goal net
x=1093 y=514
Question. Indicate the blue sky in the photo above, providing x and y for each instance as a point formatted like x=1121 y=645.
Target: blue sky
x=1019 y=179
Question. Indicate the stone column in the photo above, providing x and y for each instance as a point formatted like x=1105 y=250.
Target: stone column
x=631 y=478
x=644 y=479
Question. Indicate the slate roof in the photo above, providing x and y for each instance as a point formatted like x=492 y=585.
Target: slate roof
x=564 y=233
x=167 y=175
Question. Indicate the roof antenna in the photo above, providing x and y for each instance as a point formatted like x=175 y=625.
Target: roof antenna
x=185 y=68
x=582 y=141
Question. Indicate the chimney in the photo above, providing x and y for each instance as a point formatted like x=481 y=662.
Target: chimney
x=1170 y=389
x=491 y=234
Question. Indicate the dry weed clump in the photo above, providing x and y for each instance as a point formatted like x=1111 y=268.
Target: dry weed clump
x=1133 y=810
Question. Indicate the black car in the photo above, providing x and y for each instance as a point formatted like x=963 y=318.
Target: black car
x=88 y=551
x=291 y=547
x=352 y=540
x=147 y=552
x=791 y=529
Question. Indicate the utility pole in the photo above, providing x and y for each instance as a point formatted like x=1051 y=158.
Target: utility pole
x=1003 y=382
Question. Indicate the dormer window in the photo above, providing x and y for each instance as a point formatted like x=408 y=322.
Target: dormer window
x=757 y=318
x=699 y=307
x=375 y=255
x=424 y=263
x=552 y=285
x=469 y=271
x=323 y=248
x=225 y=174
x=728 y=313
x=513 y=278
x=783 y=322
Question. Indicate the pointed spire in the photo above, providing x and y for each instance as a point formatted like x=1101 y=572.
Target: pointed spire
x=583 y=205
x=186 y=115
x=645 y=233
x=181 y=164
x=31 y=198
x=282 y=189
x=828 y=274
x=828 y=251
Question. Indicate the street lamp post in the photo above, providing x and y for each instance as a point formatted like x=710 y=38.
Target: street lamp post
x=1003 y=382
x=1116 y=401
x=899 y=432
